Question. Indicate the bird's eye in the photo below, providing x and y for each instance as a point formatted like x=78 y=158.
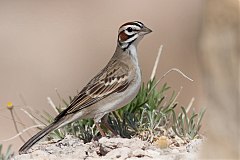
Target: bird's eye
x=129 y=29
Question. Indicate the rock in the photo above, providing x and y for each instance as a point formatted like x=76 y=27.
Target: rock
x=152 y=153
x=71 y=148
x=175 y=151
x=138 y=153
x=108 y=144
x=194 y=145
x=119 y=153
x=122 y=142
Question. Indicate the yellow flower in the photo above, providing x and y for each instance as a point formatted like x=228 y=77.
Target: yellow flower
x=162 y=142
x=9 y=105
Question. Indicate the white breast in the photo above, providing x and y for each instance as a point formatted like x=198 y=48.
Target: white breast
x=123 y=98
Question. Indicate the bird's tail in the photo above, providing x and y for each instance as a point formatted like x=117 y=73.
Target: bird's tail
x=38 y=136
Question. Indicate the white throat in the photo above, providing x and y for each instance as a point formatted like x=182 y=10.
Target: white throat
x=133 y=52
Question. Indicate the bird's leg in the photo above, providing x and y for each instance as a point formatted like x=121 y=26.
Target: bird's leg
x=100 y=129
x=104 y=121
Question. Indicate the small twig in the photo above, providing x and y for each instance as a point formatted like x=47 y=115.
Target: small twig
x=15 y=125
x=173 y=69
x=19 y=119
x=52 y=104
x=175 y=98
x=152 y=136
x=30 y=112
x=156 y=63
x=34 y=119
x=25 y=105
x=20 y=133
x=190 y=104
x=58 y=94
x=179 y=71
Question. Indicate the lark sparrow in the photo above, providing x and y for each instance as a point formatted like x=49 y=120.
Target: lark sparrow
x=115 y=86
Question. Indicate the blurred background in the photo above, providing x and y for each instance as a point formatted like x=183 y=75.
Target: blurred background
x=62 y=44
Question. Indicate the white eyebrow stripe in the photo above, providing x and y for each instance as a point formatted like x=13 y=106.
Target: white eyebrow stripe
x=135 y=27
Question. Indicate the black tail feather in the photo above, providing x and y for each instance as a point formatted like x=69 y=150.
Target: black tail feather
x=38 y=136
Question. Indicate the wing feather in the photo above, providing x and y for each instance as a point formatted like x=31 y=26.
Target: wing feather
x=113 y=78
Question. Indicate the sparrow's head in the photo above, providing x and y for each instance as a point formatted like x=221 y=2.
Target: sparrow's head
x=131 y=33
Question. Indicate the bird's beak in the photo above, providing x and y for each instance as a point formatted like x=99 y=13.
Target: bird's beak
x=145 y=30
